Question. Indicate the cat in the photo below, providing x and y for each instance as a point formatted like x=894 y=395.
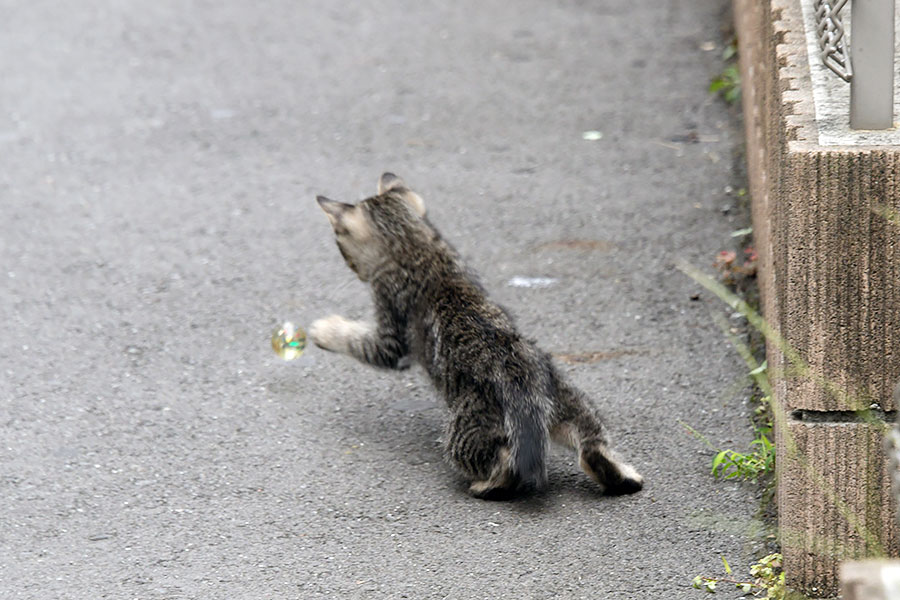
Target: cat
x=505 y=396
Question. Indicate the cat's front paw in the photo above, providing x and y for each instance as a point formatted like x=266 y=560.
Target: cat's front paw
x=335 y=333
x=325 y=333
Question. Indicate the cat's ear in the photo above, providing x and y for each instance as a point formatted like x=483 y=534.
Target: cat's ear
x=415 y=202
x=390 y=182
x=346 y=217
x=333 y=209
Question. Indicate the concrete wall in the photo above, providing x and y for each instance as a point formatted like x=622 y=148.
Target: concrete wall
x=830 y=282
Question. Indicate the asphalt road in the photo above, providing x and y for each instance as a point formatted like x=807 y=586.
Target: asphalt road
x=158 y=168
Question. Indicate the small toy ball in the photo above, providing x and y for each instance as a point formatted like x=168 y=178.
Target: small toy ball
x=289 y=341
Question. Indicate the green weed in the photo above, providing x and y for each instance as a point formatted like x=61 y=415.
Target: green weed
x=728 y=82
x=759 y=460
x=729 y=464
x=767 y=576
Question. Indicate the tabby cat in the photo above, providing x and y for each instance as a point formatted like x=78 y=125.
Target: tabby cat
x=506 y=398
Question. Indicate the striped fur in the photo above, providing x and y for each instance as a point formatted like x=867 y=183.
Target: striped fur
x=505 y=397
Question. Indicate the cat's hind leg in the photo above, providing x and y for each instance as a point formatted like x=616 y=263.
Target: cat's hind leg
x=608 y=469
x=576 y=426
x=501 y=483
x=477 y=446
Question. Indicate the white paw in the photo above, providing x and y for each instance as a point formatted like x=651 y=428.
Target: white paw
x=629 y=472
x=325 y=333
x=336 y=333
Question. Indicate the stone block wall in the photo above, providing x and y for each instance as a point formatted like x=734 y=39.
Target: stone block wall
x=830 y=283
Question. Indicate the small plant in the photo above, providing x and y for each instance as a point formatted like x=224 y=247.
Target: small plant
x=768 y=579
x=759 y=461
x=750 y=466
x=728 y=82
x=729 y=464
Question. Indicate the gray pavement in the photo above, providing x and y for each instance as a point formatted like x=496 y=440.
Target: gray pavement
x=157 y=219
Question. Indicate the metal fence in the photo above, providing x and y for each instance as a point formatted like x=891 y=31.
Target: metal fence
x=830 y=30
x=867 y=63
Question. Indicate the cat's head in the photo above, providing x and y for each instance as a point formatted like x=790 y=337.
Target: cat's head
x=368 y=232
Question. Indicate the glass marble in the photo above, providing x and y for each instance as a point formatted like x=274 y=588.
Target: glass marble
x=289 y=341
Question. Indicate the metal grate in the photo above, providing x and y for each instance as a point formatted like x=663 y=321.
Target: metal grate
x=830 y=30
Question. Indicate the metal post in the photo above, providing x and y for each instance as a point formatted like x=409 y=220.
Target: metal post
x=872 y=49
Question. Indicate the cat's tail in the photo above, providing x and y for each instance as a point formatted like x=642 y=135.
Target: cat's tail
x=526 y=416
